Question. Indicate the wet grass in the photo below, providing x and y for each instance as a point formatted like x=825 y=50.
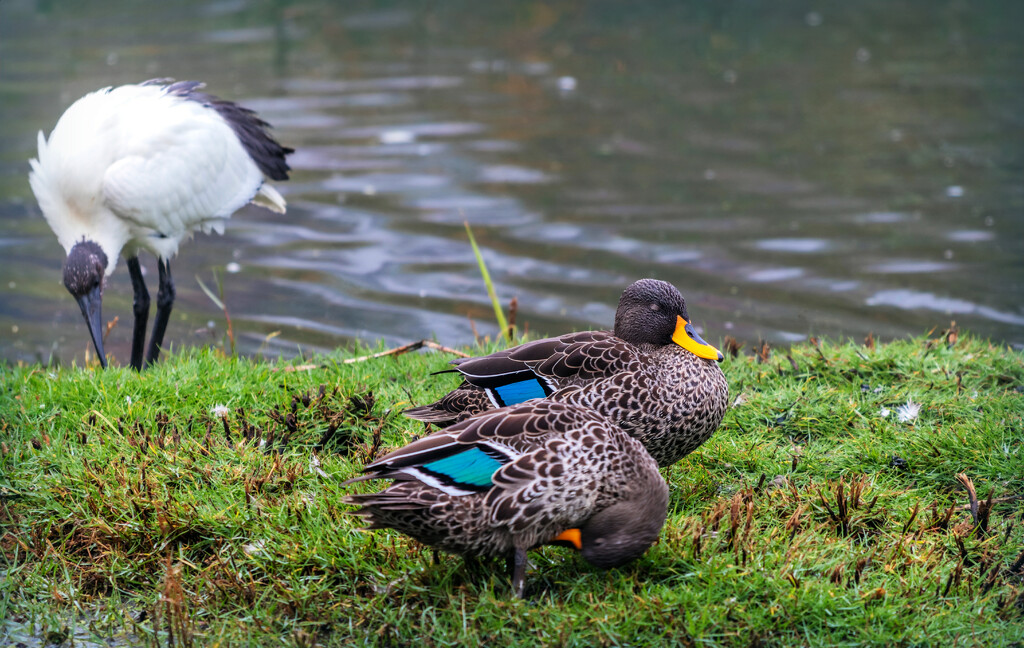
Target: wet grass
x=200 y=504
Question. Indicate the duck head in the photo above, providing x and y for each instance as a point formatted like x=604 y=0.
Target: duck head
x=622 y=532
x=84 y=270
x=653 y=312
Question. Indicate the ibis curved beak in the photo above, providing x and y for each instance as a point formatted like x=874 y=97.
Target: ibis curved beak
x=686 y=337
x=570 y=536
x=91 y=304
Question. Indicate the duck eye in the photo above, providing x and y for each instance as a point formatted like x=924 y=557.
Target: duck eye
x=655 y=307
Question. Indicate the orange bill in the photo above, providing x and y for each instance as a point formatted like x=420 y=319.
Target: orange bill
x=686 y=337
x=572 y=536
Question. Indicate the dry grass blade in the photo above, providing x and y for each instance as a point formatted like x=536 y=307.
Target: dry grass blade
x=110 y=327
x=792 y=363
x=405 y=348
x=816 y=343
x=731 y=346
x=971 y=493
x=176 y=616
x=763 y=351
x=294 y=368
x=952 y=334
x=513 y=308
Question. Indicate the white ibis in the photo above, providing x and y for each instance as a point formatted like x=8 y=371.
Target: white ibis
x=140 y=167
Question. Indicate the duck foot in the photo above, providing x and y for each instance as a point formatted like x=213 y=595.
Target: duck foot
x=517 y=565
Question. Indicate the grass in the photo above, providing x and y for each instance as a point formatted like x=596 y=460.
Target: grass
x=499 y=315
x=200 y=504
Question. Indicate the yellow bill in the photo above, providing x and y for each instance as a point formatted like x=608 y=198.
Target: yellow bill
x=686 y=337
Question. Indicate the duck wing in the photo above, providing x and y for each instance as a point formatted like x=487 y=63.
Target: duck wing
x=524 y=460
x=456 y=405
x=536 y=369
x=468 y=457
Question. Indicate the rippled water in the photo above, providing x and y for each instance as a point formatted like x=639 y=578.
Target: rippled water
x=796 y=169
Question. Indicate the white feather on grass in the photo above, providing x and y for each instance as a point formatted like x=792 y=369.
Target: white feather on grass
x=908 y=411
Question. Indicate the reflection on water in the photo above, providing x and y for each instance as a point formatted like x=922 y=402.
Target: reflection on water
x=822 y=170
x=913 y=300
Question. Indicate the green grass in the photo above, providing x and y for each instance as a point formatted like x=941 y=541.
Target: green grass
x=130 y=508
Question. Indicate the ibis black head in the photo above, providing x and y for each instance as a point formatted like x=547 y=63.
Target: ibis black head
x=84 y=270
x=624 y=531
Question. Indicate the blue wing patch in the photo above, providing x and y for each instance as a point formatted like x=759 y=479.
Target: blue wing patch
x=470 y=469
x=519 y=392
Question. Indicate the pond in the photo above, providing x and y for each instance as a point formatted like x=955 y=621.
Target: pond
x=796 y=169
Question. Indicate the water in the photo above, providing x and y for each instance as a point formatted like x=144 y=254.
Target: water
x=798 y=169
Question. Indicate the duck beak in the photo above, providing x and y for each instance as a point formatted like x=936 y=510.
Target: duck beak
x=686 y=337
x=570 y=536
x=91 y=304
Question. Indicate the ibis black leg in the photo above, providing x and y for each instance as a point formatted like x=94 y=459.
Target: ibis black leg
x=140 y=308
x=164 y=301
x=517 y=561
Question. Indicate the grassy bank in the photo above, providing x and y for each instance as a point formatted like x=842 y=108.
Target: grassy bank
x=200 y=504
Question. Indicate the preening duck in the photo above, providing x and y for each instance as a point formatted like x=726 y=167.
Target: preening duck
x=507 y=480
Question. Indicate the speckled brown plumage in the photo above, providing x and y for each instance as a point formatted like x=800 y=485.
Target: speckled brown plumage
x=557 y=467
x=665 y=396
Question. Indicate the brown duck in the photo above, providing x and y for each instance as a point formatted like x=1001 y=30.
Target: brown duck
x=507 y=480
x=653 y=376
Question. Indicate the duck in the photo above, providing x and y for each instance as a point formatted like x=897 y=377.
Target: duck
x=508 y=480
x=653 y=375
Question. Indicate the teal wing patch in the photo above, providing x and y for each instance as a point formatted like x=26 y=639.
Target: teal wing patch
x=470 y=469
x=520 y=392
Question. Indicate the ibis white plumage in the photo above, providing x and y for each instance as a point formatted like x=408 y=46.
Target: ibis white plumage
x=141 y=167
